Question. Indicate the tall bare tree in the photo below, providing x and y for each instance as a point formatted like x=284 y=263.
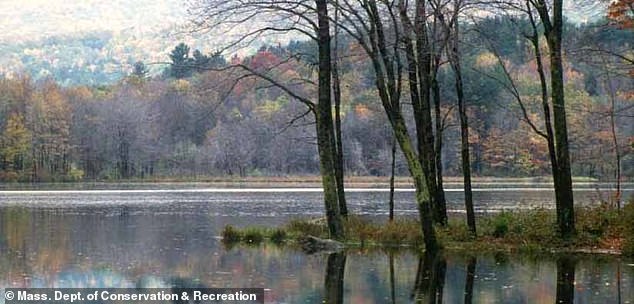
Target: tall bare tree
x=555 y=125
x=375 y=26
x=551 y=17
x=277 y=16
x=336 y=88
x=325 y=133
x=453 y=53
x=418 y=53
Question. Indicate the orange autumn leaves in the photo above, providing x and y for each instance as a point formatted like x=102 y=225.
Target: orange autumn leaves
x=621 y=13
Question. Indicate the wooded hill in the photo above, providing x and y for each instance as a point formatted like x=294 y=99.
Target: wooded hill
x=196 y=119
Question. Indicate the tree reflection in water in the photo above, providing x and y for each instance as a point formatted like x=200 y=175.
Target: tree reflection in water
x=334 y=278
x=470 y=277
x=566 y=279
x=392 y=280
x=430 y=278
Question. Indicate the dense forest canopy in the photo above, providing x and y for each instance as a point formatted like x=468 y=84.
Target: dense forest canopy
x=195 y=119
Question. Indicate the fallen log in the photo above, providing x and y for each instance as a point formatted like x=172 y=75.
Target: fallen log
x=311 y=244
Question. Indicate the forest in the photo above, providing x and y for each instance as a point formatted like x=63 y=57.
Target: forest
x=196 y=120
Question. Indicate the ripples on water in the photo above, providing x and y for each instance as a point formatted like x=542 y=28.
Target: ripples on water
x=166 y=238
x=288 y=202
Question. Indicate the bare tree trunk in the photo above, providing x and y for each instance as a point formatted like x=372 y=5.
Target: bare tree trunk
x=339 y=167
x=388 y=66
x=418 y=57
x=563 y=181
x=464 y=130
x=440 y=191
x=466 y=163
x=393 y=167
x=617 y=153
x=423 y=198
x=615 y=141
x=325 y=133
x=550 y=137
x=424 y=126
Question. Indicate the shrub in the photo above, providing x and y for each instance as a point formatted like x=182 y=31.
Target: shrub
x=231 y=235
x=501 y=223
x=304 y=227
x=253 y=236
x=536 y=226
x=628 y=226
x=75 y=175
x=597 y=224
x=401 y=232
x=278 y=236
x=457 y=231
x=9 y=176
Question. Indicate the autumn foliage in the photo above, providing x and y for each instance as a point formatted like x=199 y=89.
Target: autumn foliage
x=621 y=13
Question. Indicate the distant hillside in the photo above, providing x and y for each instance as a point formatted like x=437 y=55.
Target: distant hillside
x=96 y=42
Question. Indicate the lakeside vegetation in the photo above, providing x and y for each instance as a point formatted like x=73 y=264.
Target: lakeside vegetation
x=309 y=181
x=600 y=229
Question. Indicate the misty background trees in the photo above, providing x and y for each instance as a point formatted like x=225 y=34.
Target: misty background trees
x=201 y=125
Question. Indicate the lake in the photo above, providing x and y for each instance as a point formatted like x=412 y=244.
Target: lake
x=158 y=235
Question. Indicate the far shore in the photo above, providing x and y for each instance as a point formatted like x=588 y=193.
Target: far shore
x=314 y=181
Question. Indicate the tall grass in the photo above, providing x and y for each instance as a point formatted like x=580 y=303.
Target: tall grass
x=534 y=230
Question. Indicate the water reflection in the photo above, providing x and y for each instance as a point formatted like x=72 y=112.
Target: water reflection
x=335 y=277
x=262 y=202
x=430 y=278
x=392 y=279
x=566 y=279
x=95 y=247
x=469 y=279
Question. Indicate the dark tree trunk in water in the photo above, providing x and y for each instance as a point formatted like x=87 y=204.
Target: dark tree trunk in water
x=325 y=132
x=392 y=279
x=339 y=168
x=430 y=278
x=464 y=131
x=470 y=277
x=392 y=172
x=334 y=278
x=565 y=279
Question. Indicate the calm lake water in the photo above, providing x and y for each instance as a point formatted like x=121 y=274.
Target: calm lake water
x=167 y=235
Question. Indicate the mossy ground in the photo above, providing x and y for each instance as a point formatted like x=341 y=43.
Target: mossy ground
x=599 y=229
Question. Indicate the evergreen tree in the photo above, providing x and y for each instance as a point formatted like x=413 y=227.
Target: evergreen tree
x=181 y=66
x=140 y=70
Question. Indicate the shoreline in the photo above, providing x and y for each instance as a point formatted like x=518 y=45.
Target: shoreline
x=312 y=181
x=600 y=231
